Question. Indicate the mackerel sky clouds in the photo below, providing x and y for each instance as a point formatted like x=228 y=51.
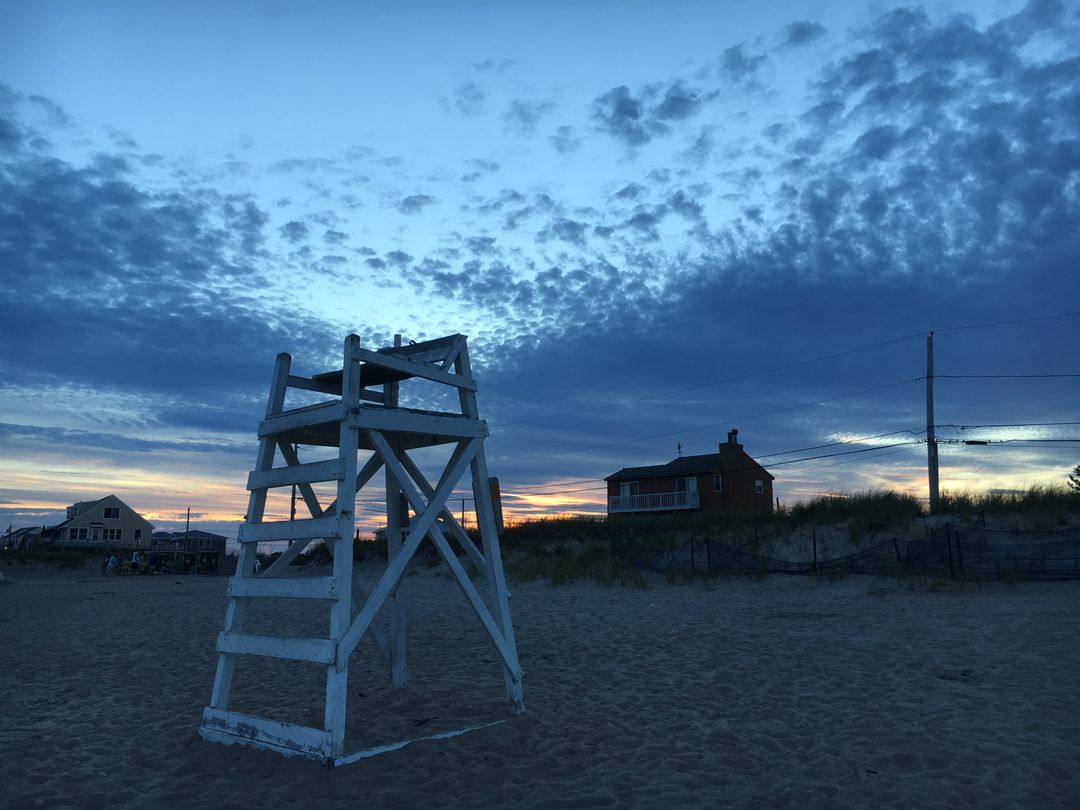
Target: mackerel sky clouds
x=647 y=217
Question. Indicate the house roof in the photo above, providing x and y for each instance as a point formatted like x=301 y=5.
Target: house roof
x=88 y=505
x=690 y=465
x=79 y=512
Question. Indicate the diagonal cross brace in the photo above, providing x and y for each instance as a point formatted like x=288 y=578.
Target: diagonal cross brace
x=448 y=517
x=506 y=650
x=455 y=468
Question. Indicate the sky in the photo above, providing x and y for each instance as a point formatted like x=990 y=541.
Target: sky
x=655 y=222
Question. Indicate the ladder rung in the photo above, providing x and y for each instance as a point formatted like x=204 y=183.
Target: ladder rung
x=231 y=727
x=284 y=587
x=312 y=650
x=285 y=421
x=311 y=529
x=330 y=470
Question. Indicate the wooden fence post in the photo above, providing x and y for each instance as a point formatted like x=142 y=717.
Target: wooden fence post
x=948 y=545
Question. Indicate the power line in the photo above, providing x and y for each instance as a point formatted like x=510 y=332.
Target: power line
x=736 y=378
x=731 y=420
x=1000 y=376
x=843 y=441
x=1008 y=425
x=1008 y=323
x=785 y=367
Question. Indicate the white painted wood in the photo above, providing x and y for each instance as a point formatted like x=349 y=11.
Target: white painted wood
x=396 y=516
x=498 y=594
x=426 y=351
x=508 y=654
x=329 y=470
x=447 y=517
x=281 y=565
x=367 y=753
x=312 y=650
x=245 y=565
x=322 y=413
x=404 y=420
x=452 y=355
x=459 y=462
x=435 y=532
x=416 y=369
x=359 y=596
x=283 y=587
x=337 y=677
x=286 y=738
x=312 y=528
x=330 y=386
x=390 y=430
x=311 y=500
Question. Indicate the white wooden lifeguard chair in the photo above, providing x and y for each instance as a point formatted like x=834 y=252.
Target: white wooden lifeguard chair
x=359 y=417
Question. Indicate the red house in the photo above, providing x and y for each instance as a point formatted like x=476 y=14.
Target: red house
x=726 y=482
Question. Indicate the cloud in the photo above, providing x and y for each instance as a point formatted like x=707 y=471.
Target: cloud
x=566 y=230
x=525 y=115
x=294 y=231
x=802 y=32
x=679 y=102
x=469 y=98
x=564 y=141
x=415 y=203
x=637 y=119
x=740 y=66
x=878 y=143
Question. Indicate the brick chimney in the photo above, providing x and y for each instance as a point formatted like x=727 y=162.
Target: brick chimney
x=731 y=450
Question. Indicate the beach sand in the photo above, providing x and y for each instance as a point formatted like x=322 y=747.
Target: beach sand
x=781 y=693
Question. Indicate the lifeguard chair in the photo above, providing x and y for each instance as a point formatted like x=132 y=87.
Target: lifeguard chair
x=362 y=414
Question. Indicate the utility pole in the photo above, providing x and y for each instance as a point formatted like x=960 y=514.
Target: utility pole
x=931 y=440
x=187 y=536
x=292 y=501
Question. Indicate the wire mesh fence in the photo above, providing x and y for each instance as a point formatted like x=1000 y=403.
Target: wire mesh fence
x=955 y=551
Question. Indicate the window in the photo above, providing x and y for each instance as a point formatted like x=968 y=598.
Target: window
x=112 y=512
x=759 y=487
x=686 y=485
x=138 y=535
x=718 y=482
x=628 y=488
x=76 y=534
x=113 y=535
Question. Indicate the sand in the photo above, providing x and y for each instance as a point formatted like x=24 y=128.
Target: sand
x=780 y=693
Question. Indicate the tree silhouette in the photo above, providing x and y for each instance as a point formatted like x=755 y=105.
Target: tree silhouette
x=1074 y=479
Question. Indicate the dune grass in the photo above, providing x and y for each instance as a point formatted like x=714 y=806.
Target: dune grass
x=594 y=562
x=63 y=558
x=1037 y=507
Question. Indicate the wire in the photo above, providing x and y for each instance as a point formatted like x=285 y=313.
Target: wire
x=1008 y=425
x=843 y=441
x=998 y=376
x=775 y=369
x=1007 y=323
x=705 y=427
x=736 y=378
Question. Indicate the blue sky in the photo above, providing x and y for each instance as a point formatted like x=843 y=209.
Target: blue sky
x=647 y=217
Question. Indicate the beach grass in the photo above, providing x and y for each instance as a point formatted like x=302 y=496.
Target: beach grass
x=1036 y=508
x=594 y=562
x=62 y=558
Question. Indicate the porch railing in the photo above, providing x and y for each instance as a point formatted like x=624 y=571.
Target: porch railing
x=654 y=502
